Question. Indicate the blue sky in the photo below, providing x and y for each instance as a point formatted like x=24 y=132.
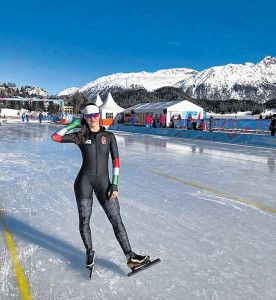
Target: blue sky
x=59 y=44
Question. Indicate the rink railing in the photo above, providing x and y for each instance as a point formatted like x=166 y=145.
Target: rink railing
x=244 y=125
x=261 y=140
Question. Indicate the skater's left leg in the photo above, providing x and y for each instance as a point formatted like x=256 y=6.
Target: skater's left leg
x=112 y=210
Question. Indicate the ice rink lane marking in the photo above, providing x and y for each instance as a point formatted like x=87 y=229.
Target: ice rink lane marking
x=208 y=189
x=22 y=283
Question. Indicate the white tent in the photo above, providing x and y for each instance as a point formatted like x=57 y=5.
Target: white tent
x=98 y=101
x=181 y=107
x=109 y=110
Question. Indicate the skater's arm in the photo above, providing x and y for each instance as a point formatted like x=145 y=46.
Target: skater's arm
x=60 y=136
x=115 y=162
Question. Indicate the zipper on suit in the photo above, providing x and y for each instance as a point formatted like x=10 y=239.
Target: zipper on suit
x=96 y=155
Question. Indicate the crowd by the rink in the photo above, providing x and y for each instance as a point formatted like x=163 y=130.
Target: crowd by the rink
x=159 y=121
x=44 y=117
x=201 y=124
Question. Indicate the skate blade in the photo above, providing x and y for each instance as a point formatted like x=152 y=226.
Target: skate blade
x=90 y=271
x=146 y=265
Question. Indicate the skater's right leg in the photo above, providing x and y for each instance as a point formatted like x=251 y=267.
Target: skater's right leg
x=85 y=210
x=84 y=191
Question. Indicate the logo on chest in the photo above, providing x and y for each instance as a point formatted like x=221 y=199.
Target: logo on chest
x=103 y=140
x=88 y=142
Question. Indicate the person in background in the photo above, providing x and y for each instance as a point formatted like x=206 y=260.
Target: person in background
x=148 y=121
x=132 y=119
x=201 y=125
x=172 y=122
x=272 y=126
x=40 y=117
x=211 y=123
x=156 y=121
x=189 y=121
x=162 y=120
x=260 y=116
x=181 y=123
x=23 y=117
x=27 y=117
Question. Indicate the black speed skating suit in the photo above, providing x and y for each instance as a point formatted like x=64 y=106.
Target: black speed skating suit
x=94 y=176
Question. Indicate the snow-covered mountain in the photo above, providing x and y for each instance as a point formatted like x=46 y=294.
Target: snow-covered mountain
x=248 y=81
x=131 y=81
x=68 y=92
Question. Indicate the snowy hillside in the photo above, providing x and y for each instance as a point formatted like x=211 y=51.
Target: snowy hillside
x=255 y=82
x=246 y=81
x=68 y=92
x=131 y=81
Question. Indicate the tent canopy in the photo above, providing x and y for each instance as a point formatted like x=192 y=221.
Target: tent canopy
x=180 y=105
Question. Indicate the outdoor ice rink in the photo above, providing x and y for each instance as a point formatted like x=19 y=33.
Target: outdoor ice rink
x=208 y=210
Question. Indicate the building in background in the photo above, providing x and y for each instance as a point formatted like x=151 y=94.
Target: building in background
x=68 y=109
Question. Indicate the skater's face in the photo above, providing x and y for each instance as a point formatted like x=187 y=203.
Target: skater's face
x=92 y=119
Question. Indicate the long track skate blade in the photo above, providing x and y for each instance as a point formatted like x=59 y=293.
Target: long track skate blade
x=143 y=267
x=90 y=271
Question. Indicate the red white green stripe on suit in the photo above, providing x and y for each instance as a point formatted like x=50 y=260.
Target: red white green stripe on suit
x=116 y=170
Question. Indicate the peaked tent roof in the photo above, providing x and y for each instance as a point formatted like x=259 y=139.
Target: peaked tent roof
x=110 y=104
x=98 y=101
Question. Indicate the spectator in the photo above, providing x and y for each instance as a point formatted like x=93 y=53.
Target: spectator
x=156 y=119
x=202 y=125
x=23 y=117
x=272 y=126
x=189 y=121
x=162 y=120
x=148 y=120
x=270 y=116
x=132 y=120
x=261 y=117
x=211 y=123
x=172 y=122
x=40 y=117
x=27 y=118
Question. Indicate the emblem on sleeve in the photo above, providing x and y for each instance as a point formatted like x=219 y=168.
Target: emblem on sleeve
x=103 y=140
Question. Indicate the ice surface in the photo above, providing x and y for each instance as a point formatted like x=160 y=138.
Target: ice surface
x=211 y=245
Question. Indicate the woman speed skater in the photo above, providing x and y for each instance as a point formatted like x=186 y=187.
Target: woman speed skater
x=95 y=144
